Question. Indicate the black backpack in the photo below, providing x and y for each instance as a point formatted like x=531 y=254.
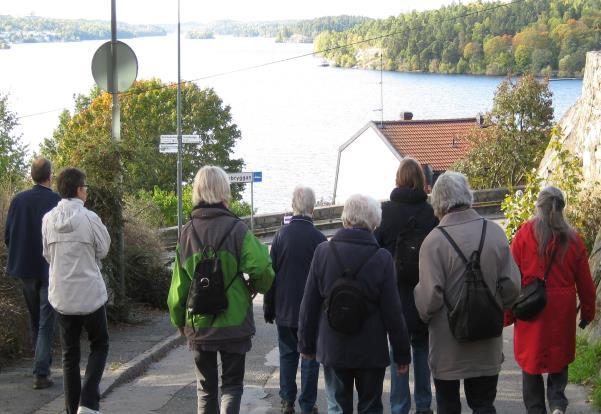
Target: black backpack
x=207 y=294
x=406 y=253
x=347 y=306
x=476 y=315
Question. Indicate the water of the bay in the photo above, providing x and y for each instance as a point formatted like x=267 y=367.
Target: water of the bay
x=293 y=115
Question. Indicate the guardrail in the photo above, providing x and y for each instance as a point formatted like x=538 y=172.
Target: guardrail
x=486 y=202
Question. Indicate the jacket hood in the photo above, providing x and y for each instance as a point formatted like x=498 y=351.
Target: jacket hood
x=408 y=195
x=210 y=212
x=67 y=218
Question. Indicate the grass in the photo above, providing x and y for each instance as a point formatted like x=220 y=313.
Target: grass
x=585 y=369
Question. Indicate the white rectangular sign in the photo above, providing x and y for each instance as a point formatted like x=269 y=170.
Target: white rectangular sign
x=186 y=139
x=242 y=177
x=168 y=148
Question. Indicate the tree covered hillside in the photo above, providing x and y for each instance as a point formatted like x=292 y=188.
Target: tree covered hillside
x=547 y=37
x=34 y=29
x=281 y=29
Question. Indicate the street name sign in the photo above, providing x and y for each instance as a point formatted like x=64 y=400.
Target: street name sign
x=241 y=177
x=168 y=148
x=186 y=139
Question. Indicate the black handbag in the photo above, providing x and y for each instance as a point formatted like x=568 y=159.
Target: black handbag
x=533 y=297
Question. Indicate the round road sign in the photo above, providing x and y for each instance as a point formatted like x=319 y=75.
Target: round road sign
x=126 y=64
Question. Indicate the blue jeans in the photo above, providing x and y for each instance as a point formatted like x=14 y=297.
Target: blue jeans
x=42 y=318
x=339 y=390
x=289 y=356
x=400 y=395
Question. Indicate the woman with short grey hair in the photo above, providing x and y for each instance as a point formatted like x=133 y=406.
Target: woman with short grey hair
x=451 y=191
x=547 y=247
x=441 y=280
x=359 y=358
x=303 y=201
x=215 y=232
x=362 y=212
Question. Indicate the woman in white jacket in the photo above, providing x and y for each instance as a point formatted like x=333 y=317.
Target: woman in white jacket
x=74 y=241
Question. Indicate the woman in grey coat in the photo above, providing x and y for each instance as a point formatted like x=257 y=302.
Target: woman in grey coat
x=478 y=362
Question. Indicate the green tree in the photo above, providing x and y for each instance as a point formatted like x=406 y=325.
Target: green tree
x=147 y=111
x=521 y=123
x=12 y=151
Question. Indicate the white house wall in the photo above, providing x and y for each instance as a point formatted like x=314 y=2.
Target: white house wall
x=367 y=166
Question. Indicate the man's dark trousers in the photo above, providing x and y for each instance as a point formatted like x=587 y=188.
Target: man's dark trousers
x=88 y=394
x=480 y=393
x=42 y=319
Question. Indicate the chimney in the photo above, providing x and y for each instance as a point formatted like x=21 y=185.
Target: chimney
x=480 y=120
x=406 y=116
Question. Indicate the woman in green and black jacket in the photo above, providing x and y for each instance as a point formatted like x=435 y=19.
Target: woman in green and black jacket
x=229 y=332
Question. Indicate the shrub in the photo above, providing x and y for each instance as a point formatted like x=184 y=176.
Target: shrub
x=585 y=368
x=147 y=278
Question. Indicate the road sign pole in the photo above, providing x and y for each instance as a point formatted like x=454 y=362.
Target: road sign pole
x=120 y=300
x=252 y=209
x=179 y=127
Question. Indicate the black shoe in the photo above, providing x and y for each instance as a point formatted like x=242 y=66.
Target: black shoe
x=287 y=407
x=42 y=381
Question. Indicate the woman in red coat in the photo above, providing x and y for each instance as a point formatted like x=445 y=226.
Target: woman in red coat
x=546 y=344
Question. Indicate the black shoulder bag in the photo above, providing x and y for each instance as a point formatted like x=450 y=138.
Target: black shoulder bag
x=533 y=297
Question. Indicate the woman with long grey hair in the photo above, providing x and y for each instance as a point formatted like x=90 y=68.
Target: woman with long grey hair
x=547 y=245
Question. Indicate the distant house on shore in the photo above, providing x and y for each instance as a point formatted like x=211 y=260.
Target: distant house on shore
x=367 y=162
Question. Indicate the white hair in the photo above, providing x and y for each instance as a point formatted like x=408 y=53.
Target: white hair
x=211 y=186
x=303 y=201
x=361 y=211
x=451 y=190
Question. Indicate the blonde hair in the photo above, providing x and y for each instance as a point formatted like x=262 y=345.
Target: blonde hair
x=211 y=186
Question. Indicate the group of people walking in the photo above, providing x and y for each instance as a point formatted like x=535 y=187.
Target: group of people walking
x=389 y=289
x=384 y=291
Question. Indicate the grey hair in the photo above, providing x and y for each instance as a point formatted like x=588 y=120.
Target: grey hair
x=303 y=201
x=549 y=220
x=361 y=211
x=451 y=190
x=211 y=186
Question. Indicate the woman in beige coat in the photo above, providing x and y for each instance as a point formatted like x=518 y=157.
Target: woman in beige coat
x=477 y=363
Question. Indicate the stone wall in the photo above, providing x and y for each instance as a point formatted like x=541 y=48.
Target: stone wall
x=581 y=125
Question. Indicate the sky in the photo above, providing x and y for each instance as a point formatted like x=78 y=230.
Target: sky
x=165 y=11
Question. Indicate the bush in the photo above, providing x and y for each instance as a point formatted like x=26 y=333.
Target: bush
x=166 y=203
x=147 y=279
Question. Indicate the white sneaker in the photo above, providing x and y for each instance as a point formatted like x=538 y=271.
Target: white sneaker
x=86 y=410
x=557 y=411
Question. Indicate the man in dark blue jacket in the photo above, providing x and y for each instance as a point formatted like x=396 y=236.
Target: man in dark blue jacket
x=23 y=237
x=291 y=254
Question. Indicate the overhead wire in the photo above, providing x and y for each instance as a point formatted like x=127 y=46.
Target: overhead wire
x=275 y=62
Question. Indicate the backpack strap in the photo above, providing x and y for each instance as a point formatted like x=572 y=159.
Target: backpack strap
x=346 y=270
x=457 y=249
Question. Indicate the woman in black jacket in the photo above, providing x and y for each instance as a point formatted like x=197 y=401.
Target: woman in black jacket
x=406 y=220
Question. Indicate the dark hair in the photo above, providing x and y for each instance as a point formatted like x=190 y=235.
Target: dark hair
x=41 y=169
x=411 y=175
x=69 y=180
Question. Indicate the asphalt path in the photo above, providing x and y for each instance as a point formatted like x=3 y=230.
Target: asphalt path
x=169 y=386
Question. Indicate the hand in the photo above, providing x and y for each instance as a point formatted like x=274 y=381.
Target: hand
x=583 y=323
x=402 y=369
x=269 y=316
x=181 y=331
x=310 y=357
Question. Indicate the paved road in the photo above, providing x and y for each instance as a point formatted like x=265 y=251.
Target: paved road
x=169 y=386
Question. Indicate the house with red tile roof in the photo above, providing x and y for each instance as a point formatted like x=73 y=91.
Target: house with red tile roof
x=367 y=162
